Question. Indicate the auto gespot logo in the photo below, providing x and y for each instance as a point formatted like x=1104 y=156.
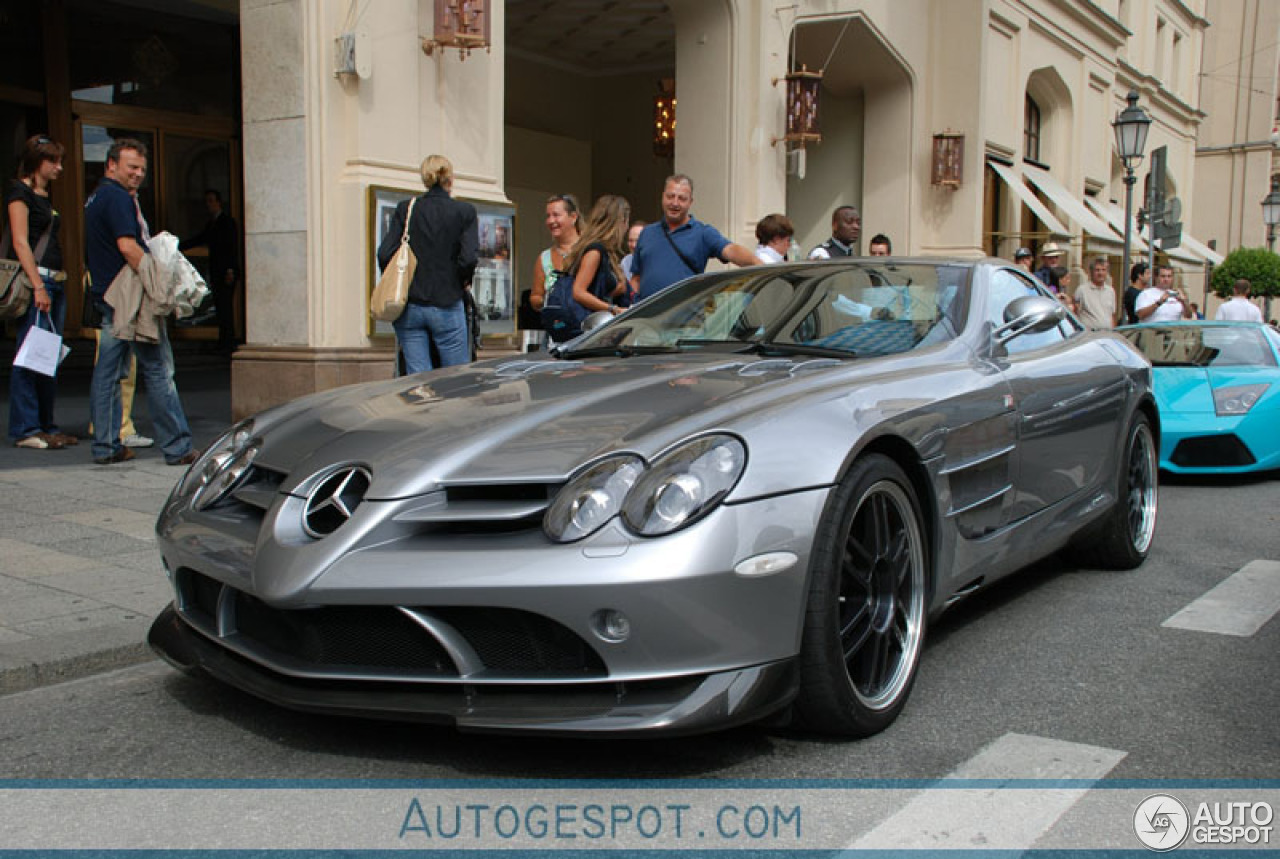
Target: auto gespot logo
x=1163 y=823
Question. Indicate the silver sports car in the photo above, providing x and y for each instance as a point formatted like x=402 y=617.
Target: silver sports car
x=744 y=498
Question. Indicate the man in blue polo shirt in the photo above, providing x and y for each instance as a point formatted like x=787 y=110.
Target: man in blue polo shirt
x=115 y=236
x=679 y=245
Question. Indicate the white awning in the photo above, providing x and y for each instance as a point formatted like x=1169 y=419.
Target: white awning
x=1115 y=217
x=1033 y=203
x=1067 y=202
x=1196 y=247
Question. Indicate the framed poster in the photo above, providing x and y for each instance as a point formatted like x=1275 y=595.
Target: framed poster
x=493 y=287
x=382 y=206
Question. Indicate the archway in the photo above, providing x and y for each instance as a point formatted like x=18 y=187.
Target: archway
x=866 y=85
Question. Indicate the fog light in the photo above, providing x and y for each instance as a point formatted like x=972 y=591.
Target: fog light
x=611 y=625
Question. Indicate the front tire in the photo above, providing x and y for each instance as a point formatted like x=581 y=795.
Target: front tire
x=865 y=619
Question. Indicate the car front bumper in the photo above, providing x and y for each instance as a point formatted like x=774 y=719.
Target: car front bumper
x=504 y=633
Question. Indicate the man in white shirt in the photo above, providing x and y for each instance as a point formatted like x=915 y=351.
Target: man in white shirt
x=1239 y=308
x=1162 y=303
x=1096 y=300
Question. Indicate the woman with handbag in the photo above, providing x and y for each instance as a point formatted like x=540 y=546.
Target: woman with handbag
x=443 y=237
x=33 y=223
x=595 y=263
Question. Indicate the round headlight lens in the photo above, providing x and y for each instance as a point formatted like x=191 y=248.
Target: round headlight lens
x=591 y=498
x=227 y=472
x=685 y=485
x=208 y=469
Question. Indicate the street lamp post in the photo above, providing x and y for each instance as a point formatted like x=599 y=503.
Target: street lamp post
x=1271 y=217
x=1271 y=213
x=1131 y=126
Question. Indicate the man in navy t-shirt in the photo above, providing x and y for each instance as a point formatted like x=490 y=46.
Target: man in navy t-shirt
x=116 y=235
x=679 y=245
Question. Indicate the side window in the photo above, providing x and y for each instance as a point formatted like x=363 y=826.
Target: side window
x=1006 y=286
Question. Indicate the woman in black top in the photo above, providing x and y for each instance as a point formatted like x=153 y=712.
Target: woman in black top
x=596 y=259
x=444 y=237
x=31 y=217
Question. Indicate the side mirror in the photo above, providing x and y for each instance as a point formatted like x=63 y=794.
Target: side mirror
x=1031 y=314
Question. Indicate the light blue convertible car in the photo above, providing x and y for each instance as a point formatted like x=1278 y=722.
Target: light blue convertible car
x=1217 y=385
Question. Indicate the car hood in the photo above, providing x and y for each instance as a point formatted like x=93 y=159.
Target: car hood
x=524 y=421
x=1189 y=390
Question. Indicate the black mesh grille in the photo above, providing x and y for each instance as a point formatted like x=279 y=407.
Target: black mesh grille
x=384 y=638
x=354 y=636
x=520 y=641
x=1212 y=451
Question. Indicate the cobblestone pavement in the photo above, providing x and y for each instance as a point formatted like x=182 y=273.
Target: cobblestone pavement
x=80 y=576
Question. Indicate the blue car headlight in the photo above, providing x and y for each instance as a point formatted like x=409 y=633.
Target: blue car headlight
x=220 y=468
x=591 y=498
x=1237 y=399
x=684 y=484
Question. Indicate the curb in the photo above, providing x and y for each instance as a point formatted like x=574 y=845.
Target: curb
x=43 y=662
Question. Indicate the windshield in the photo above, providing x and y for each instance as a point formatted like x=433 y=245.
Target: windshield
x=847 y=309
x=1201 y=346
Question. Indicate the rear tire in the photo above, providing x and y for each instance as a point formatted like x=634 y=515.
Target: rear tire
x=865 y=619
x=1122 y=540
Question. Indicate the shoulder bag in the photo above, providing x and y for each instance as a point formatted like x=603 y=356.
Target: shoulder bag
x=392 y=292
x=684 y=259
x=15 y=288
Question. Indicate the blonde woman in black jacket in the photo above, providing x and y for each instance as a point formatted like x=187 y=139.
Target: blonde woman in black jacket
x=444 y=238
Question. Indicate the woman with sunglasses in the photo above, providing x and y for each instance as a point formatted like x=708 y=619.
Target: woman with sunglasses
x=33 y=231
x=562 y=223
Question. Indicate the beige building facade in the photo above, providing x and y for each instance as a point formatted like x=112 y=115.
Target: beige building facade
x=1032 y=86
x=1236 y=151
x=325 y=109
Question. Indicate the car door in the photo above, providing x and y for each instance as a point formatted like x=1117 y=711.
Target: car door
x=1069 y=394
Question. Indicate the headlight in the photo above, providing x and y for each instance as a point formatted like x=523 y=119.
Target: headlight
x=591 y=499
x=684 y=485
x=220 y=467
x=1237 y=400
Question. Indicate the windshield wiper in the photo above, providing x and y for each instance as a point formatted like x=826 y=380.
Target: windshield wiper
x=773 y=349
x=619 y=351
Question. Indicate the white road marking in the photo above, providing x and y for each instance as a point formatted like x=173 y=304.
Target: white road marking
x=995 y=817
x=1240 y=605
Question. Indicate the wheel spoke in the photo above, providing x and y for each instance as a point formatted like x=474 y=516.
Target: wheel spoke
x=854 y=633
x=880 y=523
x=857 y=560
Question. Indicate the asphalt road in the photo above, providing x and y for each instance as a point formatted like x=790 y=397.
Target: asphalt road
x=1057 y=652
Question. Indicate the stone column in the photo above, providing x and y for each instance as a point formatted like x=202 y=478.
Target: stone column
x=314 y=143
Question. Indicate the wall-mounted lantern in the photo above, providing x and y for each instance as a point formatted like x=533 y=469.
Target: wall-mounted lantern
x=664 y=119
x=948 y=159
x=461 y=24
x=802 y=109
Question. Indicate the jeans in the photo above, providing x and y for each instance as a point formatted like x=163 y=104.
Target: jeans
x=155 y=369
x=31 y=394
x=421 y=325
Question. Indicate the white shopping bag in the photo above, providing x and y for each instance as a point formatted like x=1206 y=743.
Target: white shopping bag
x=41 y=350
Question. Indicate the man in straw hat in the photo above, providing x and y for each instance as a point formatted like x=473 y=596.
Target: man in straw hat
x=1051 y=255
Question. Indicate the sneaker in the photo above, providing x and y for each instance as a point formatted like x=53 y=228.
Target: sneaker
x=186 y=459
x=121 y=455
x=137 y=440
x=39 y=441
